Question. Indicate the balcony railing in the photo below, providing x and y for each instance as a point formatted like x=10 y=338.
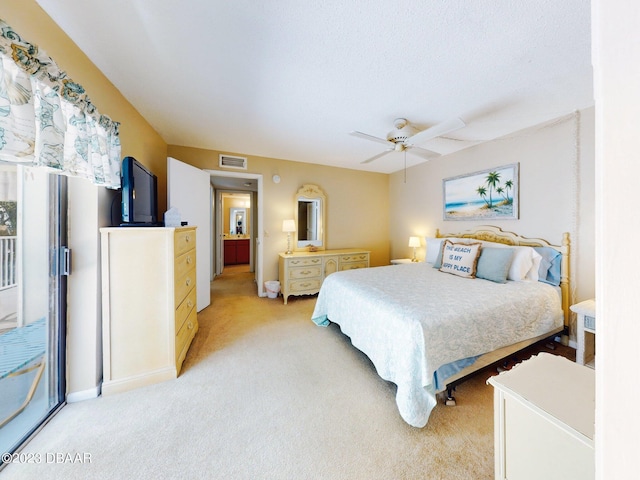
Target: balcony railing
x=7 y=262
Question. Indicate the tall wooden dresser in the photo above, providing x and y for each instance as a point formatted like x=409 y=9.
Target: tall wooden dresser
x=149 y=315
x=302 y=273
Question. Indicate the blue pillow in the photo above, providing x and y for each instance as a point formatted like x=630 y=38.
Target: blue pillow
x=549 y=271
x=494 y=263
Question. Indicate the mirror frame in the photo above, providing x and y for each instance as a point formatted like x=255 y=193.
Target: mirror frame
x=311 y=192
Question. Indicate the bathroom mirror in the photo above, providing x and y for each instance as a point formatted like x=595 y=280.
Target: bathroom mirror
x=238 y=221
x=310 y=206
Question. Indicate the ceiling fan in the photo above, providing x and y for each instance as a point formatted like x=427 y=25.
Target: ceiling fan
x=405 y=136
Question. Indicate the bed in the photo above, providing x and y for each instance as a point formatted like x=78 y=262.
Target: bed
x=426 y=329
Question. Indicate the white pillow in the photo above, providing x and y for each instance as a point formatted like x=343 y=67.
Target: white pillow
x=532 y=274
x=433 y=248
x=460 y=259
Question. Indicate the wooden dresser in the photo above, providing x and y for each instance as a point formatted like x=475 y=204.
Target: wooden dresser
x=149 y=315
x=302 y=273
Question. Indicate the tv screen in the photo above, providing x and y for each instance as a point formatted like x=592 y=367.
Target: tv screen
x=139 y=194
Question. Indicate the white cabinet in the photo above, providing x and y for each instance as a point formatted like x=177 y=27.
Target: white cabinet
x=544 y=415
x=586 y=332
x=149 y=315
x=302 y=273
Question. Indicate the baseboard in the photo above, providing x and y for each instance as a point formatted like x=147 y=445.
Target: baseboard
x=83 y=395
x=135 y=381
x=572 y=343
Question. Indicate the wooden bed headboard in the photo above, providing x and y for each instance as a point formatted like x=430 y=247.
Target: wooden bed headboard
x=489 y=233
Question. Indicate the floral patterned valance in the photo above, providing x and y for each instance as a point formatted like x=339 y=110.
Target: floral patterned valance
x=47 y=119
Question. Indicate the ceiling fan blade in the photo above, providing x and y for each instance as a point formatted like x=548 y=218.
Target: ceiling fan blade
x=435 y=131
x=375 y=157
x=424 y=152
x=366 y=136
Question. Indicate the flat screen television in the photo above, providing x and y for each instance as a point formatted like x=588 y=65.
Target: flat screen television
x=139 y=194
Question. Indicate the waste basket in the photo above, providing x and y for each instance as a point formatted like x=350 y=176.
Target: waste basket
x=272 y=287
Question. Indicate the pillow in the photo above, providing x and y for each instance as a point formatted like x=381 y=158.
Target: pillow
x=549 y=270
x=522 y=263
x=437 y=263
x=536 y=258
x=460 y=258
x=494 y=263
x=434 y=246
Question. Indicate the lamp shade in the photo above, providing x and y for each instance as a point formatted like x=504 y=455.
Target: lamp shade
x=414 y=242
x=288 y=226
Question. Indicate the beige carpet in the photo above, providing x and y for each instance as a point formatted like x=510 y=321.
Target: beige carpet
x=266 y=394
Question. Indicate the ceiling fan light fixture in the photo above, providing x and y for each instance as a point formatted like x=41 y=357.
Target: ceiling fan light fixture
x=403 y=130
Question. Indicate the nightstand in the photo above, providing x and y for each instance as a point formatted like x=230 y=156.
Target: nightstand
x=399 y=261
x=586 y=326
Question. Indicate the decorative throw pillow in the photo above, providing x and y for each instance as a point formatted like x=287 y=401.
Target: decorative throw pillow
x=460 y=258
x=494 y=263
x=438 y=261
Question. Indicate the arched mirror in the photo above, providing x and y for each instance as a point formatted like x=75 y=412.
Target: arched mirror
x=310 y=206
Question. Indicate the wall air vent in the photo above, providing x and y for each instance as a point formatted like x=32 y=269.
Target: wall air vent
x=229 y=161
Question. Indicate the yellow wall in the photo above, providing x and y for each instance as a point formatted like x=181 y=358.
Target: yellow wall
x=357 y=202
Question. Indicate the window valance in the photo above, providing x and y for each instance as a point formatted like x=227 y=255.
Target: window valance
x=47 y=119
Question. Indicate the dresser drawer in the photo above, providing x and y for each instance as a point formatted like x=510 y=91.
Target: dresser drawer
x=311 y=285
x=184 y=240
x=185 y=334
x=184 y=263
x=183 y=310
x=305 y=272
x=301 y=262
x=183 y=285
x=358 y=257
x=354 y=265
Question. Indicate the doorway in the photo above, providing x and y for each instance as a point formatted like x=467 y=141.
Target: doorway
x=33 y=269
x=236 y=212
x=247 y=184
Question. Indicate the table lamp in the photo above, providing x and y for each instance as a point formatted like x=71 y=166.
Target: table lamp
x=415 y=243
x=288 y=226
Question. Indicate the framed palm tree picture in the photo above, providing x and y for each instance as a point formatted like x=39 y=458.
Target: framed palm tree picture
x=488 y=194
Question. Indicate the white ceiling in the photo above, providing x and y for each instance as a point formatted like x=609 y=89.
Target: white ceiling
x=290 y=79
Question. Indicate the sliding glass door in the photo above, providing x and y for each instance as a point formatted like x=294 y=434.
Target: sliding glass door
x=33 y=265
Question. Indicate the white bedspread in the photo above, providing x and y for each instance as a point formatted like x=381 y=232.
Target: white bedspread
x=412 y=319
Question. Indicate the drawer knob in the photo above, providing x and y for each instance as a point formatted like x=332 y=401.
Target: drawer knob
x=189 y=304
x=189 y=259
x=187 y=238
x=187 y=282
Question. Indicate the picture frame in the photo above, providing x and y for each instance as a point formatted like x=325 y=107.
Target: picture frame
x=490 y=194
